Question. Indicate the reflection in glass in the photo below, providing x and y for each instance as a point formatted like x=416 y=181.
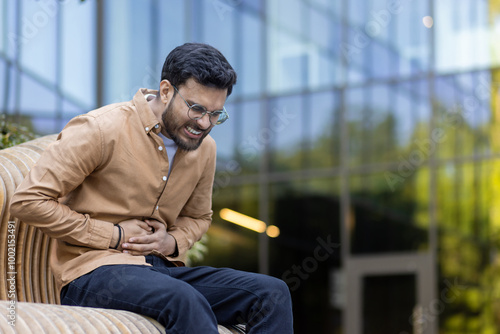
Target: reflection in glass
x=389 y=217
x=322 y=131
x=308 y=216
x=250 y=74
x=462 y=35
x=224 y=134
x=468 y=233
x=250 y=142
x=284 y=132
x=231 y=245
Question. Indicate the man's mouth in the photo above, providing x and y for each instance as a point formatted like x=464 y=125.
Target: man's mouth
x=192 y=131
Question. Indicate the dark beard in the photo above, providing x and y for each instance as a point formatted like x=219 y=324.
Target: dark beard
x=181 y=143
x=168 y=120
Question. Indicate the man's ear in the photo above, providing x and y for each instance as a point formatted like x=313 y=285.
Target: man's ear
x=166 y=91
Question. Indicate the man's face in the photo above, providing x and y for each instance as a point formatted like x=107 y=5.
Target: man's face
x=185 y=132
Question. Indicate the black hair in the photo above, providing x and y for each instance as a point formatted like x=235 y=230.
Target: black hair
x=202 y=62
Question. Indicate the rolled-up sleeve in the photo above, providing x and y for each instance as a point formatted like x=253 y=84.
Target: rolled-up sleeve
x=61 y=169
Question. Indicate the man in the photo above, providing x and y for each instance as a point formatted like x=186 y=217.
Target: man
x=126 y=190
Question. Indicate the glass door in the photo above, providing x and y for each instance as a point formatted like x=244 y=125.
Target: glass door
x=390 y=294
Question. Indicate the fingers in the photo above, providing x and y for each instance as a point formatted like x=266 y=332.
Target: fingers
x=135 y=227
x=145 y=239
x=139 y=245
x=142 y=237
x=137 y=249
x=145 y=226
x=156 y=225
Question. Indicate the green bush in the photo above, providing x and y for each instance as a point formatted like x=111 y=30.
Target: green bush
x=13 y=134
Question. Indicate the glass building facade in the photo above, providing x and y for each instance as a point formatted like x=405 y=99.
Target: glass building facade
x=368 y=131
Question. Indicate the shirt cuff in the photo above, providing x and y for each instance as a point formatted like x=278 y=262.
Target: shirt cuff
x=101 y=233
x=180 y=246
x=176 y=252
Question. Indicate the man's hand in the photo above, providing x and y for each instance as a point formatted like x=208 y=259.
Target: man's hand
x=130 y=228
x=144 y=244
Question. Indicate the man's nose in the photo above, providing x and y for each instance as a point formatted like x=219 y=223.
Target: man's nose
x=204 y=121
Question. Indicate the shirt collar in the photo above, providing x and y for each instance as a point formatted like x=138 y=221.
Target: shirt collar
x=148 y=118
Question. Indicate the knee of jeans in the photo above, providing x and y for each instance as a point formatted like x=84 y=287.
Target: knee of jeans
x=188 y=298
x=275 y=289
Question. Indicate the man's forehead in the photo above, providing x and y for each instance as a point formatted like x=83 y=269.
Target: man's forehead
x=212 y=98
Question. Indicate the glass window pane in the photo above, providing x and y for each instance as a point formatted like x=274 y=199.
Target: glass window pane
x=78 y=52
x=11 y=101
x=70 y=110
x=308 y=215
x=456 y=197
x=380 y=125
x=254 y=4
x=3 y=31
x=324 y=33
x=251 y=140
x=357 y=11
x=315 y=201
x=231 y=245
x=355 y=104
x=36 y=99
x=218 y=29
x=385 y=39
x=466 y=205
x=3 y=82
x=288 y=61
x=13 y=38
x=292 y=61
x=412 y=37
x=172 y=27
x=285 y=132
x=224 y=135
x=44 y=125
x=387 y=216
x=250 y=75
x=323 y=131
x=39 y=31
x=327 y=5
x=381 y=122
x=128 y=40
x=463 y=35
x=388 y=303
x=292 y=22
x=463 y=113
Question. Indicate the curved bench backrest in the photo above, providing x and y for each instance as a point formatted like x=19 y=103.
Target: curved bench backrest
x=24 y=250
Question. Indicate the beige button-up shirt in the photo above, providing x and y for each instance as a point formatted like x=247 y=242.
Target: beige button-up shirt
x=107 y=166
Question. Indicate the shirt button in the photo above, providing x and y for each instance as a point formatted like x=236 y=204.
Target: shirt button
x=157 y=207
x=164 y=178
x=157 y=126
x=147 y=129
x=160 y=148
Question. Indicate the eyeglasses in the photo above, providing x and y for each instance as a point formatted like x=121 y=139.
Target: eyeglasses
x=197 y=111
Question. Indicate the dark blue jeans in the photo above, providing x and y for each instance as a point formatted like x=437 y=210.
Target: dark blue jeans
x=187 y=300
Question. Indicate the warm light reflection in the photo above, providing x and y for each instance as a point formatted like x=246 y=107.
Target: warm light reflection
x=272 y=231
x=428 y=21
x=243 y=220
